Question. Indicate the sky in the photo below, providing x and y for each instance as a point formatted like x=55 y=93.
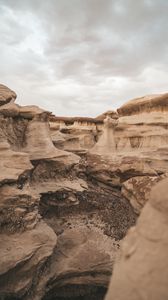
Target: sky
x=83 y=57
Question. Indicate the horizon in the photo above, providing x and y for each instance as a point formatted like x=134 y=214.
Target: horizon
x=91 y=116
x=83 y=58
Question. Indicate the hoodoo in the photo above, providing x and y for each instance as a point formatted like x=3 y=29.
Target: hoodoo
x=106 y=144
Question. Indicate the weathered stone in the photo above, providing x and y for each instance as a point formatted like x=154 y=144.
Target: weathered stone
x=142 y=271
x=6 y=95
x=88 y=202
x=23 y=257
x=137 y=190
x=84 y=258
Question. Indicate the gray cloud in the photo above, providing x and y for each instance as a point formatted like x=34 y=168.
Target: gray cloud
x=83 y=57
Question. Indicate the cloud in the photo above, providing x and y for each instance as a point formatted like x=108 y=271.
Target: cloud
x=83 y=57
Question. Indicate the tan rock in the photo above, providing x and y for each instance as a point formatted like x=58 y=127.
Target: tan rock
x=80 y=199
x=84 y=257
x=12 y=164
x=16 y=207
x=22 y=257
x=142 y=271
x=137 y=190
x=145 y=104
x=110 y=113
x=76 y=138
x=28 y=112
x=76 y=134
x=140 y=132
x=106 y=146
x=40 y=146
x=6 y=95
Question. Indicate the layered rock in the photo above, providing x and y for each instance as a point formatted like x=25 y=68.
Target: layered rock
x=142 y=131
x=135 y=145
x=26 y=241
x=78 y=134
x=75 y=134
x=145 y=104
x=62 y=215
x=142 y=271
x=39 y=181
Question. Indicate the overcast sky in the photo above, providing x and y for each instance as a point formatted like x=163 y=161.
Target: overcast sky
x=83 y=57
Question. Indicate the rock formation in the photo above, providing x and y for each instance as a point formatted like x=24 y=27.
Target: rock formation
x=142 y=271
x=70 y=189
x=136 y=145
x=75 y=134
x=6 y=95
x=57 y=235
x=137 y=190
x=106 y=145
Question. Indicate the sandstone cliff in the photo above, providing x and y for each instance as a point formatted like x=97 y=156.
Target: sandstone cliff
x=136 y=144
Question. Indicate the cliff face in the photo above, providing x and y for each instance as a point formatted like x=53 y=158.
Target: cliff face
x=141 y=127
x=145 y=129
x=136 y=144
x=137 y=130
x=62 y=215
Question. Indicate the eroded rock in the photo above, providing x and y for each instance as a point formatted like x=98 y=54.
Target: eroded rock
x=23 y=257
x=6 y=95
x=83 y=258
x=62 y=215
x=142 y=270
x=137 y=190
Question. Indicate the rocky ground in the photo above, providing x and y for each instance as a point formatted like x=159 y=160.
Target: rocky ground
x=63 y=214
